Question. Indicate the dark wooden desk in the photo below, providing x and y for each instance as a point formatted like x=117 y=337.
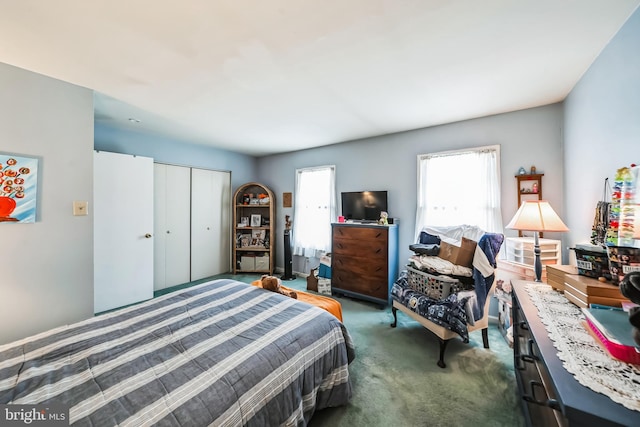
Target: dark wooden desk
x=550 y=394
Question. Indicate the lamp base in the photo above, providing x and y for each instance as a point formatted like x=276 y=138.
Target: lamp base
x=537 y=266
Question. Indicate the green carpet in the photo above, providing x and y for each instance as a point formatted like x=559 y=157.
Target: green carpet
x=396 y=381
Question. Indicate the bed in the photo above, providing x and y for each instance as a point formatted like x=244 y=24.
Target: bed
x=220 y=353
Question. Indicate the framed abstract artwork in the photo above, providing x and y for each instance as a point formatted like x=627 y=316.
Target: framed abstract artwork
x=18 y=188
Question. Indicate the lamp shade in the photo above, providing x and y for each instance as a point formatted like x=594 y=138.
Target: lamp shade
x=536 y=215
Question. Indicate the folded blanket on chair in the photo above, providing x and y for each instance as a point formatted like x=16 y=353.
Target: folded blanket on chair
x=425 y=249
x=490 y=244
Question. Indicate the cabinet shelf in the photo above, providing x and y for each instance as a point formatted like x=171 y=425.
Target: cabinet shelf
x=529 y=187
x=247 y=256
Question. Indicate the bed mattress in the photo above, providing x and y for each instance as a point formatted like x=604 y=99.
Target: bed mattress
x=220 y=353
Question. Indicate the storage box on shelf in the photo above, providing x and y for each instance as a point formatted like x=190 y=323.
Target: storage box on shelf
x=592 y=261
x=556 y=274
x=622 y=260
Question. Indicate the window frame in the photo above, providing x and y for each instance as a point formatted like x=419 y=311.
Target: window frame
x=493 y=224
x=301 y=248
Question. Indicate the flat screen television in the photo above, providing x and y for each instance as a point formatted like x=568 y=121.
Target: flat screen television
x=363 y=206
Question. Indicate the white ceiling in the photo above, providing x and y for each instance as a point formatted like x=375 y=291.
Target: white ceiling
x=271 y=76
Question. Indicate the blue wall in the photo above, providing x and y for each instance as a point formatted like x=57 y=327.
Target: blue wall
x=175 y=152
x=47 y=273
x=602 y=126
x=389 y=162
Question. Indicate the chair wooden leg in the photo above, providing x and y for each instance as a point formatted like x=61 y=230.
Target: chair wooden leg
x=485 y=337
x=443 y=347
x=395 y=317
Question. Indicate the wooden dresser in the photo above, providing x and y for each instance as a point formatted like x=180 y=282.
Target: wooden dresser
x=364 y=260
x=550 y=395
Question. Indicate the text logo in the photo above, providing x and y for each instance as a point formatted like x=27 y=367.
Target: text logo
x=34 y=415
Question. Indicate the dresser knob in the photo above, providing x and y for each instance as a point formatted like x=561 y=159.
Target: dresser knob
x=523 y=325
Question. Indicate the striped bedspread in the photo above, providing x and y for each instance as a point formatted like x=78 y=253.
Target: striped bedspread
x=223 y=353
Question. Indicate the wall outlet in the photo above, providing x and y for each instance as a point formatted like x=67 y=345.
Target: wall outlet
x=80 y=208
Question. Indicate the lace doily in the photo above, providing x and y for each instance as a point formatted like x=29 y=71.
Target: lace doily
x=579 y=351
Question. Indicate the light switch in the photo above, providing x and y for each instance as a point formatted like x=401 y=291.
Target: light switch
x=80 y=208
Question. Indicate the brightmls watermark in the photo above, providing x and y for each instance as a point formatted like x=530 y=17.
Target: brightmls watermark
x=34 y=415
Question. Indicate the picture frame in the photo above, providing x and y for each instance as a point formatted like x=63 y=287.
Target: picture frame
x=256 y=220
x=244 y=221
x=258 y=237
x=18 y=193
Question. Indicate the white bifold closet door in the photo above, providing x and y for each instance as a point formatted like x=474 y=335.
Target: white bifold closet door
x=172 y=224
x=210 y=223
x=122 y=231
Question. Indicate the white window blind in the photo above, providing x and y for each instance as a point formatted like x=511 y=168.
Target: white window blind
x=314 y=210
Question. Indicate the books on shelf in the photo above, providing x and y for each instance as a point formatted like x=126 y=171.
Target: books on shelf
x=612 y=329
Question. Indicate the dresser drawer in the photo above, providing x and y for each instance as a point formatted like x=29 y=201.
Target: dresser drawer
x=371 y=249
x=359 y=265
x=536 y=388
x=359 y=233
x=372 y=285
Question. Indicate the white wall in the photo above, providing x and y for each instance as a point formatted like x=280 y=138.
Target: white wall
x=602 y=127
x=389 y=162
x=46 y=278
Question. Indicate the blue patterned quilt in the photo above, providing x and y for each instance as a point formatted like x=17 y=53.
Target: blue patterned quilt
x=450 y=312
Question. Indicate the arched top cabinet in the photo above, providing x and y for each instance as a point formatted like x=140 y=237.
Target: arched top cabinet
x=253 y=229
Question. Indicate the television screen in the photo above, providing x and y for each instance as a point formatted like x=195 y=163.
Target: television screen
x=363 y=205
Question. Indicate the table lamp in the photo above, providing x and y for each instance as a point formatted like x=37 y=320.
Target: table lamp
x=537 y=216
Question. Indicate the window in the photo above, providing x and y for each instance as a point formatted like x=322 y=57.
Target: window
x=314 y=210
x=460 y=187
